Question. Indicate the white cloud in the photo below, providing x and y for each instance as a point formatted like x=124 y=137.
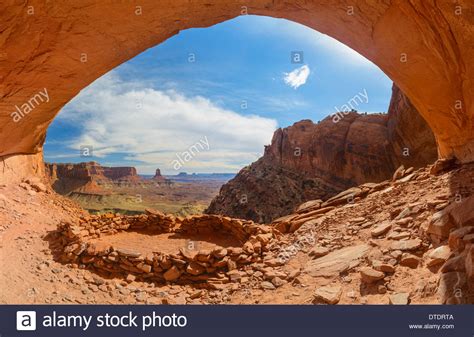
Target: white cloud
x=297 y=77
x=151 y=126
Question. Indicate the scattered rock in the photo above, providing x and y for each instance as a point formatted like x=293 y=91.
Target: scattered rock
x=188 y=253
x=399 y=235
x=195 y=268
x=172 y=274
x=455 y=240
x=380 y=229
x=128 y=252
x=337 y=261
x=399 y=298
x=267 y=285
x=234 y=275
x=438 y=255
x=409 y=260
x=406 y=245
x=318 y=252
x=442 y=165
x=441 y=224
x=196 y=294
x=383 y=267
x=369 y=275
x=39 y=187
x=398 y=173
x=328 y=294
x=309 y=205
x=220 y=253
x=278 y=282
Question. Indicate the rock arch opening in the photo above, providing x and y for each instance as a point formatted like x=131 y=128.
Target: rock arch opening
x=440 y=92
x=159 y=110
x=422 y=227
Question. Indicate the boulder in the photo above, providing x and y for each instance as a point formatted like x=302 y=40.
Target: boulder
x=456 y=215
x=438 y=255
x=441 y=224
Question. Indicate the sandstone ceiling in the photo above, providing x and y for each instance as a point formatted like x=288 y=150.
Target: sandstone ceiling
x=425 y=46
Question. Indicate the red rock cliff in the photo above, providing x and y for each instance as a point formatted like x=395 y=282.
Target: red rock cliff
x=315 y=161
x=88 y=177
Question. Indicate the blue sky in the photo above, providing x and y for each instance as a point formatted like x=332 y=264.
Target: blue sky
x=228 y=86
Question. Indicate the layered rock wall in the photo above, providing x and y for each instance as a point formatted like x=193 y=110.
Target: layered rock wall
x=91 y=177
x=309 y=161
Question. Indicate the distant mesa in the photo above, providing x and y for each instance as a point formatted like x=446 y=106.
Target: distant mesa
x=93 y=178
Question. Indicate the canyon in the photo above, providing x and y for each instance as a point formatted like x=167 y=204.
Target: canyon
x=100 y=189
x=390 y=228
x=310 y=161
x=373 y=209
